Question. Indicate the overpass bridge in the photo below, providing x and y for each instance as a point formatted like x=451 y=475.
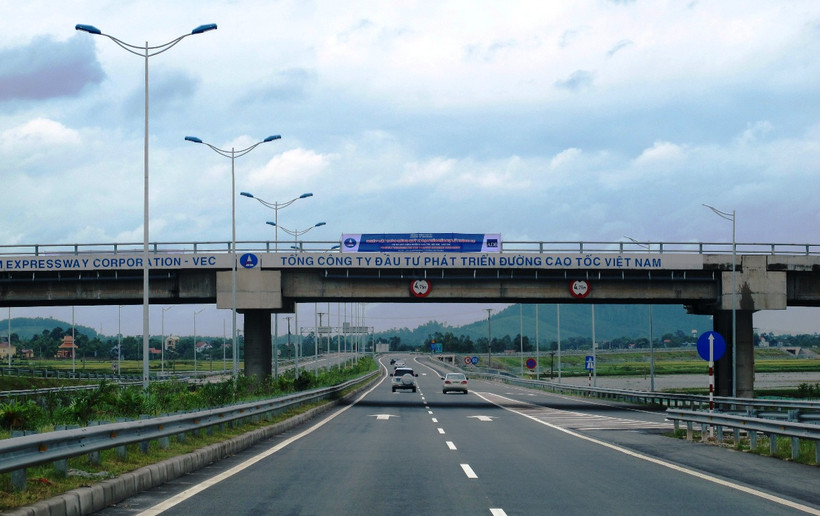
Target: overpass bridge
x=698 y=275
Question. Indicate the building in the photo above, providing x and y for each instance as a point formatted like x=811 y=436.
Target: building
x=171 y=342
x=67 y=349
x=6 y=349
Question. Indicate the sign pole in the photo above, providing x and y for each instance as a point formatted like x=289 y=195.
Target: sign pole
x=711 y=373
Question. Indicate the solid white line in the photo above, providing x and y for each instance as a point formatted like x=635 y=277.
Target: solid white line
x=497 y=512
x=660 y=462
x=450 y=445
x=188 y=493
x=468 y=471
x=440 y=430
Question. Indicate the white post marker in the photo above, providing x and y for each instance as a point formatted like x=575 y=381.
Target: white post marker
x=711 y=373
x=711 y=346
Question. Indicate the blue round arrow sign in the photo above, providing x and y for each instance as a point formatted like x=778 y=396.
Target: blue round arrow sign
x=718 y=345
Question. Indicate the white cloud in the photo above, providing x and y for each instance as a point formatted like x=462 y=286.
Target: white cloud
x=37 y=134
x=397 y=118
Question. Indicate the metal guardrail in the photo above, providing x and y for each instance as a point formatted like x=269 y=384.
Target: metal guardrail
x=535 y=246
x=794 y=419
x=774 y=429
x=19 y=453
x=56 y=373
x=31 y=393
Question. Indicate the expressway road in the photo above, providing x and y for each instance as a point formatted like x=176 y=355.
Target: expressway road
x=497 y=450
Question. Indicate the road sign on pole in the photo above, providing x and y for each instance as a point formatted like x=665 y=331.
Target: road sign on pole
x=531 y=363
x=589 y=363
x=714 y=340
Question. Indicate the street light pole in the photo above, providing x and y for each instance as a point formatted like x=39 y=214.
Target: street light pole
x=233 y=154
x=162 y=344
x=195 y=314
x=651 y=343
x=276 y=206
x=147 y=52
x=489 y=339
x=296 y=233
x=731 y=216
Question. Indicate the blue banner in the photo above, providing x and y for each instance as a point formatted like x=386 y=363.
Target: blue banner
x=421 y=242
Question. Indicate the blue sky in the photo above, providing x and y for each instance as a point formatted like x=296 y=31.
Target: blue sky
x=584 y=120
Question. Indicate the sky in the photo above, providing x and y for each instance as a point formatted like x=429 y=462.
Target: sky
x=588 y=120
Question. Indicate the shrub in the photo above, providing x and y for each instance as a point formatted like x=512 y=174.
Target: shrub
x=25 y=415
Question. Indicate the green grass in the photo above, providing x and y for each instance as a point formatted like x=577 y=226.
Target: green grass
x=636 y=363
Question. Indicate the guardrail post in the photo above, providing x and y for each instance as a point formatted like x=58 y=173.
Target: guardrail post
x=752 y=439
x=690 y=434
x=704 y=432
x=795 y=448
x=61 y=467
x=18 y=477
x=18 y=480
x=773 y=444
x=736 y=435
x=719 y=433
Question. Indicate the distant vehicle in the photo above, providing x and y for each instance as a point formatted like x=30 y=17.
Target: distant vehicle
x=398 y=363
x=404 y=378
x=454 y=382
x=392 y=361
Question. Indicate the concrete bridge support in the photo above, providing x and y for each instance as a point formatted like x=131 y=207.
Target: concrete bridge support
x=258 y=294
x=745 y=354
x=258 y=353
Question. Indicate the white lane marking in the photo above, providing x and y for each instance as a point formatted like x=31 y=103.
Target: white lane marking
x=451 y=445
x=193 y=491
x=481 y=418
x=468 y=471
x=435 y=420
x=382 y=417
x=429 y=411
x=497 y=512
x=666 y=464
x=440 y=430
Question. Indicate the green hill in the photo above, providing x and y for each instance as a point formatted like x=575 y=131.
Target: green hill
x=611 y=322
x=27 y=327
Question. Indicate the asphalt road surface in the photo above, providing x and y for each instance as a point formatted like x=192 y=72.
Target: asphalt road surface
x=496 y=450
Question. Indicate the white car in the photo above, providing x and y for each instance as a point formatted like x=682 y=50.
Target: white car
x=404 y=378
x=454 y=382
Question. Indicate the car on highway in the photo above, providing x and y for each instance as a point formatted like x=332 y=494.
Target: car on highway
x=404 y=378
x=454 y=382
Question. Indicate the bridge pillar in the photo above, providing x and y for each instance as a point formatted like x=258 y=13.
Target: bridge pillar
x=258 y=352
x=722 y=323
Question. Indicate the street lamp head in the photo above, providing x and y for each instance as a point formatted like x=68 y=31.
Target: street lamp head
x=204 y=28
x=271 y=138
x=88 y=28
x=319 y=224
x=246 y=194
x=193 y=139
x=270 y=223
x=304 y=195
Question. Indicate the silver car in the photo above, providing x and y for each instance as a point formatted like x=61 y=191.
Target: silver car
x=454 y=382
x=404 y=378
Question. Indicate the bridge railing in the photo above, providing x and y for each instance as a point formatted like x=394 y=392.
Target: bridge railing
x=535 y=246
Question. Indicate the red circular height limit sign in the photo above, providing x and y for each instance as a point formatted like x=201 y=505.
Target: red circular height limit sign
x=580 y=289
x=420 y=288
